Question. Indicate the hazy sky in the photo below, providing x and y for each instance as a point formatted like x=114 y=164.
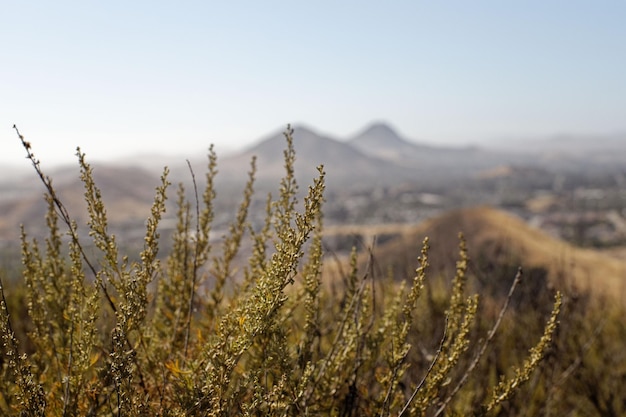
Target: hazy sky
x=119 y=77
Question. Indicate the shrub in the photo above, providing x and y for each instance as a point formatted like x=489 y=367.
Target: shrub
x=186 y=334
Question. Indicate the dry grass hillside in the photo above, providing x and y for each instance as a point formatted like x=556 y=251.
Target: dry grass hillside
x=494 y=239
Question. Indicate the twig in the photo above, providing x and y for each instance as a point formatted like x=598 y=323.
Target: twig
x=63 y=212
x=570 y=369
x=192 y=291
x=342 y=325
x=385 y=407
x=483 y=348
x=428 y=372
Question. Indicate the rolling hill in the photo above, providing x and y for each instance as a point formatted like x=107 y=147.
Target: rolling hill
x=495 y=239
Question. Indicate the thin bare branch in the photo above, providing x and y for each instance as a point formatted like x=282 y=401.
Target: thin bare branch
x=63 y=212
x=428 y=372
x=192 y=290
x=483 y=348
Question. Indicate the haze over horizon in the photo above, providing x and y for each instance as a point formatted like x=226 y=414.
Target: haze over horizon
x=122 y=78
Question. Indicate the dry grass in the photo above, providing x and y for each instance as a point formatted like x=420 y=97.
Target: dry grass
x=493 y=233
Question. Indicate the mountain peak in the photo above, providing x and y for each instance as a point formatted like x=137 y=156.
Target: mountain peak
x=378 y=132
x=381 y=127
x=381 y=140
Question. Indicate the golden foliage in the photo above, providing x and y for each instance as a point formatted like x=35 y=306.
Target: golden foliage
x=199 y=342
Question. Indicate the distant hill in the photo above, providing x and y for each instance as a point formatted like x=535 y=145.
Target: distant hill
x=380 y=156
x=127 y=192
x=345 y=165
x=377 y=156
x=435 y=162
x=571 y=152
x=495 y=239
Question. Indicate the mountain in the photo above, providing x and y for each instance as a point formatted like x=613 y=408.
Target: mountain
x=377 y=156
x=345 y=165
x=434 y=162
x=381 y=140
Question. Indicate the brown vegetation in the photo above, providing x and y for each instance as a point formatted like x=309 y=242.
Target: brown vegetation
x=192 y=333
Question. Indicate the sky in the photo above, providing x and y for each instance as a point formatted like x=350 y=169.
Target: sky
x=128 y=77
